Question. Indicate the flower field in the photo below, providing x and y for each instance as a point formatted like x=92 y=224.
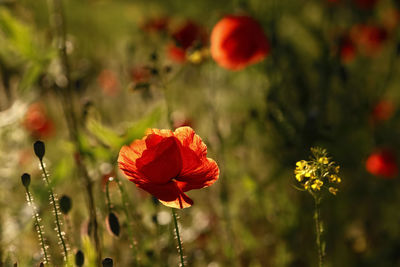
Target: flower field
x=199 y=133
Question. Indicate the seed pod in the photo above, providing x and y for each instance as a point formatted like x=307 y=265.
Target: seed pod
x=65 y=204
x=41 y=264
x=39 y=149
x=107 y=262
x=113 y=224
x=26 y=179
x=79 y=258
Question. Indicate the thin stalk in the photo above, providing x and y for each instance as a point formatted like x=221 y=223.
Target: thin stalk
x=56 y=211
x=178 y=237
x=59 y=28
x=318 y=231
x=109 y=206
x=129 y=226
x=38 y=226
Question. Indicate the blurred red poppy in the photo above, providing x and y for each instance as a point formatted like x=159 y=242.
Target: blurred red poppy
x=382 y=163
x=238 y=41
x=108 y=82
x=140 y=74
x=369 y=38
x=37 y=122
x=382 y=111
x=177 y=54
x=187 y=36
x=166 y=164
x=347 y=50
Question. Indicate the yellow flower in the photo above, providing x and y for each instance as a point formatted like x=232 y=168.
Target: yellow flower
x=317 y=172
x=301 y=165
x=337 y=169
x=333 y=190
x=334 y=179
x=323 y=160
x=198 y=56
x=299 y=177
x=317 y=184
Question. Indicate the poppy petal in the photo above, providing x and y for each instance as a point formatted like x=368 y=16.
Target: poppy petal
x=127 y=159
x=162 y=162
x=169 y=194
x=199 y=176
x=190 y=139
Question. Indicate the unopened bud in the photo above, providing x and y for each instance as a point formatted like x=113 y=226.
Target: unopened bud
x=107 y=262
x=65 y=204
x=26 y=179
x=79 y=258
x=113 y=223
x=39 y=149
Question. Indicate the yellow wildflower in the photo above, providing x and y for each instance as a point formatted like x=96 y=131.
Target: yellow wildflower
x=319 y=171
x=317 y=184
x=323 y=160
x=333 y=190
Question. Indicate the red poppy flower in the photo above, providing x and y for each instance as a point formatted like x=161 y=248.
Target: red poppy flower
x=177 y=54
x=166 y=164
x=108 y=82
x=382 y=163
x=187 y=36
x=37 y=122
x=140 y=74
x=238 y=41
x=382 y=111
x=347 y=50
x=369 y=38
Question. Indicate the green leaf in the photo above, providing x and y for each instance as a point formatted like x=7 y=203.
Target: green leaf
x=137 y=130
x=104 y=134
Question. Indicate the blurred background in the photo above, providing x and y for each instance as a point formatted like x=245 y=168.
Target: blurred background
x=330 y=79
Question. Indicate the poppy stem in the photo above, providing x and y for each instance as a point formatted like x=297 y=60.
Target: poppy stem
x=38 y=226
x=178 y=237
x=56 y=211
x=109 y=205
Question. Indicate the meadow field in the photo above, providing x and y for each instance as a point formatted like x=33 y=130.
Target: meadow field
x=199 y=133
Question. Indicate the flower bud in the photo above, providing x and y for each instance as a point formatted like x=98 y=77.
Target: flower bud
x=79 y=258
x=113 y=224
x=107 y=262
x=39 y=149
x=65 y=204
x=26 y=179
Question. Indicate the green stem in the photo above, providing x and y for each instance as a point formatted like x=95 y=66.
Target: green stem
x=109 y=206
x=318 y=230
x=178 y=237
x=56 y=212
x=38 y=226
